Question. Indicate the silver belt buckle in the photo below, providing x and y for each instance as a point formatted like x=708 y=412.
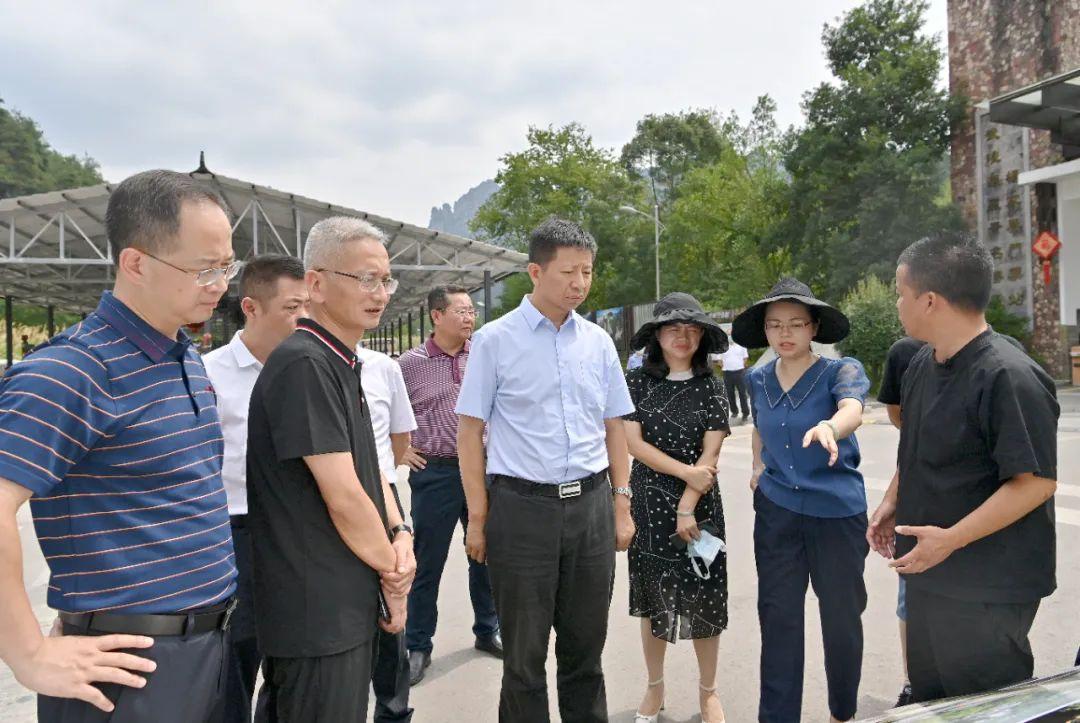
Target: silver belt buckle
x=569 y=489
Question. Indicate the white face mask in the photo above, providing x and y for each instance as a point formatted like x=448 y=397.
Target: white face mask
x=706 y=548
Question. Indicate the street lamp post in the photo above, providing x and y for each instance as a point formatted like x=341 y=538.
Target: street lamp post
x=656 y=226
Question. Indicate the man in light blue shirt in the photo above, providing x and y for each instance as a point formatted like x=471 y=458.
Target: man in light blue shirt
x=550 y=388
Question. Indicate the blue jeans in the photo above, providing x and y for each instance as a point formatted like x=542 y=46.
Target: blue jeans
x=438 y=505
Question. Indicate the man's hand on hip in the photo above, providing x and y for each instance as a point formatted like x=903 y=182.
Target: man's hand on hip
x=68 y=666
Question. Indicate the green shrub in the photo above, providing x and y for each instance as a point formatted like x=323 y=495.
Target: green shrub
x=871 y=308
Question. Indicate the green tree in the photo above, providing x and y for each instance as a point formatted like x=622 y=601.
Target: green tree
x=719 y=232
x=875 y=325
x=720 y=243
x=867 y=168
x=28 y=164
x=665 y=148
x=563 y=173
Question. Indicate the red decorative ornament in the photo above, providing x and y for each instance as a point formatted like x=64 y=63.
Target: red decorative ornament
x=1046 y=247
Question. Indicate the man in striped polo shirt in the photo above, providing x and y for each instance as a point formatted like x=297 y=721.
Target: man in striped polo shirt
x=111 y=431
x=433 y=372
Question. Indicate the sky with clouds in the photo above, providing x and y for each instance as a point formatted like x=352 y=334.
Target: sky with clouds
x=390 y=107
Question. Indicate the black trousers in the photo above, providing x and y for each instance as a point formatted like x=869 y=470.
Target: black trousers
x=552 y=564
x=735 y=381
x=244 y=655
x=791 y=549
x=438 y=506
x=390 y=680
x=957 y=647
x=186 y=687
x=314 y=690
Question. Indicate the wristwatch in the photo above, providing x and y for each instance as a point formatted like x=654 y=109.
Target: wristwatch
x=624 y=491
x=400 y=528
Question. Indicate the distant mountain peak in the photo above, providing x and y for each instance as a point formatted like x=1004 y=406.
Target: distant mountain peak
x=455 y=219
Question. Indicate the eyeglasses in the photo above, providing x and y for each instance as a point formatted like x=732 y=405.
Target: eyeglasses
x=796 y=325
x=463 y=313
x=206 y=277
x=368 y=282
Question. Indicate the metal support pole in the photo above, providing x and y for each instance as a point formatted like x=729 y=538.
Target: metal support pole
x=487 y=295
x=254 y=228
x=423 y=333
x=9 y=331
x=409 y=346
x=299 y=233
x=656 y=224
x=50 y=320
x=400 y=336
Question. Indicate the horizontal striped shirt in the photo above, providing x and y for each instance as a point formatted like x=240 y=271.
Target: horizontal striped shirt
x=114 y=429
x=433 y=379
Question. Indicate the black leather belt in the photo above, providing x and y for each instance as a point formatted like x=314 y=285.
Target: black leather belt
x=213 y=618
x=563 y=491
x=441 y=459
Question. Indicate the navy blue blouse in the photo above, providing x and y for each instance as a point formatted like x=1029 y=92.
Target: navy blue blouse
x=798 y=479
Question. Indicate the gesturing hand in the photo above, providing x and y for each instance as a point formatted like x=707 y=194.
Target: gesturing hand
x=933 y=546
x=67 y=666
x=881 y=530
x=823 y=434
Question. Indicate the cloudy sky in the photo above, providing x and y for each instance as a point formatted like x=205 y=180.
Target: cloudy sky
x=389 y=107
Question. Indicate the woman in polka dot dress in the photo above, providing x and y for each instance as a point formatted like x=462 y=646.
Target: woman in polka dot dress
x=675 y=433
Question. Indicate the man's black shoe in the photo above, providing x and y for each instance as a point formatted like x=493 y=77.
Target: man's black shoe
x=905 y=696
x=418 y=663
x=490 y=644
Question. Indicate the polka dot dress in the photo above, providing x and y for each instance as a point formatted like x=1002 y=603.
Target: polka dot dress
x=674 y=416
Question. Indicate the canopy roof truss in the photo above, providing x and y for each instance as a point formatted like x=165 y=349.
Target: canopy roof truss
x=54 y=251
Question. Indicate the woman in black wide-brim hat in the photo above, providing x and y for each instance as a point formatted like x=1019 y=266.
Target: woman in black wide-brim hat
x=809 y=497
x=675 y=433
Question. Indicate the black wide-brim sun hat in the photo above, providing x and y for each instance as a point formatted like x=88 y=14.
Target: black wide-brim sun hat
x=748 y=328
x=680 y=308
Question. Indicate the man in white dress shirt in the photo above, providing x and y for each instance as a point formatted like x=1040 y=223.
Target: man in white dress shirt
x=392 y=421
x=273 y=295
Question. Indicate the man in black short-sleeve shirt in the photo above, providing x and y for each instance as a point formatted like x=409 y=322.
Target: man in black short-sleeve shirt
x=306 y=403
x=328 y=537
x=974 y=510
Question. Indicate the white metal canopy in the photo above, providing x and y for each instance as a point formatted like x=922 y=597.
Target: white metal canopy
x=53 y=248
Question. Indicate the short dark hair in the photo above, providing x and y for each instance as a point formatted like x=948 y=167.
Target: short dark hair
x=953 y=264
x=144 y=210
x=555 y=233
x=653 y=362
x=258 y=278
x=439 y=297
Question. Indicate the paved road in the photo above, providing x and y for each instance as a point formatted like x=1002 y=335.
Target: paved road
x=462 y=684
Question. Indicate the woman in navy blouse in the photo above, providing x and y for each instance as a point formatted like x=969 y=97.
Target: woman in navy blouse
x=809 y=497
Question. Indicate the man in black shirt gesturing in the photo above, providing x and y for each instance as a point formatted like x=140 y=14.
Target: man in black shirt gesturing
x=973 y=506
x=327 y=534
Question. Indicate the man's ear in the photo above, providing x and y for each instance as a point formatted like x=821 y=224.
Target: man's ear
x=132 y=265
x=315 y=283
x=249 y=306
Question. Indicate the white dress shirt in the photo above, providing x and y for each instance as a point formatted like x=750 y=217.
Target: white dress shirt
x=233 y=370
x=388 y=400
x=734 y=358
